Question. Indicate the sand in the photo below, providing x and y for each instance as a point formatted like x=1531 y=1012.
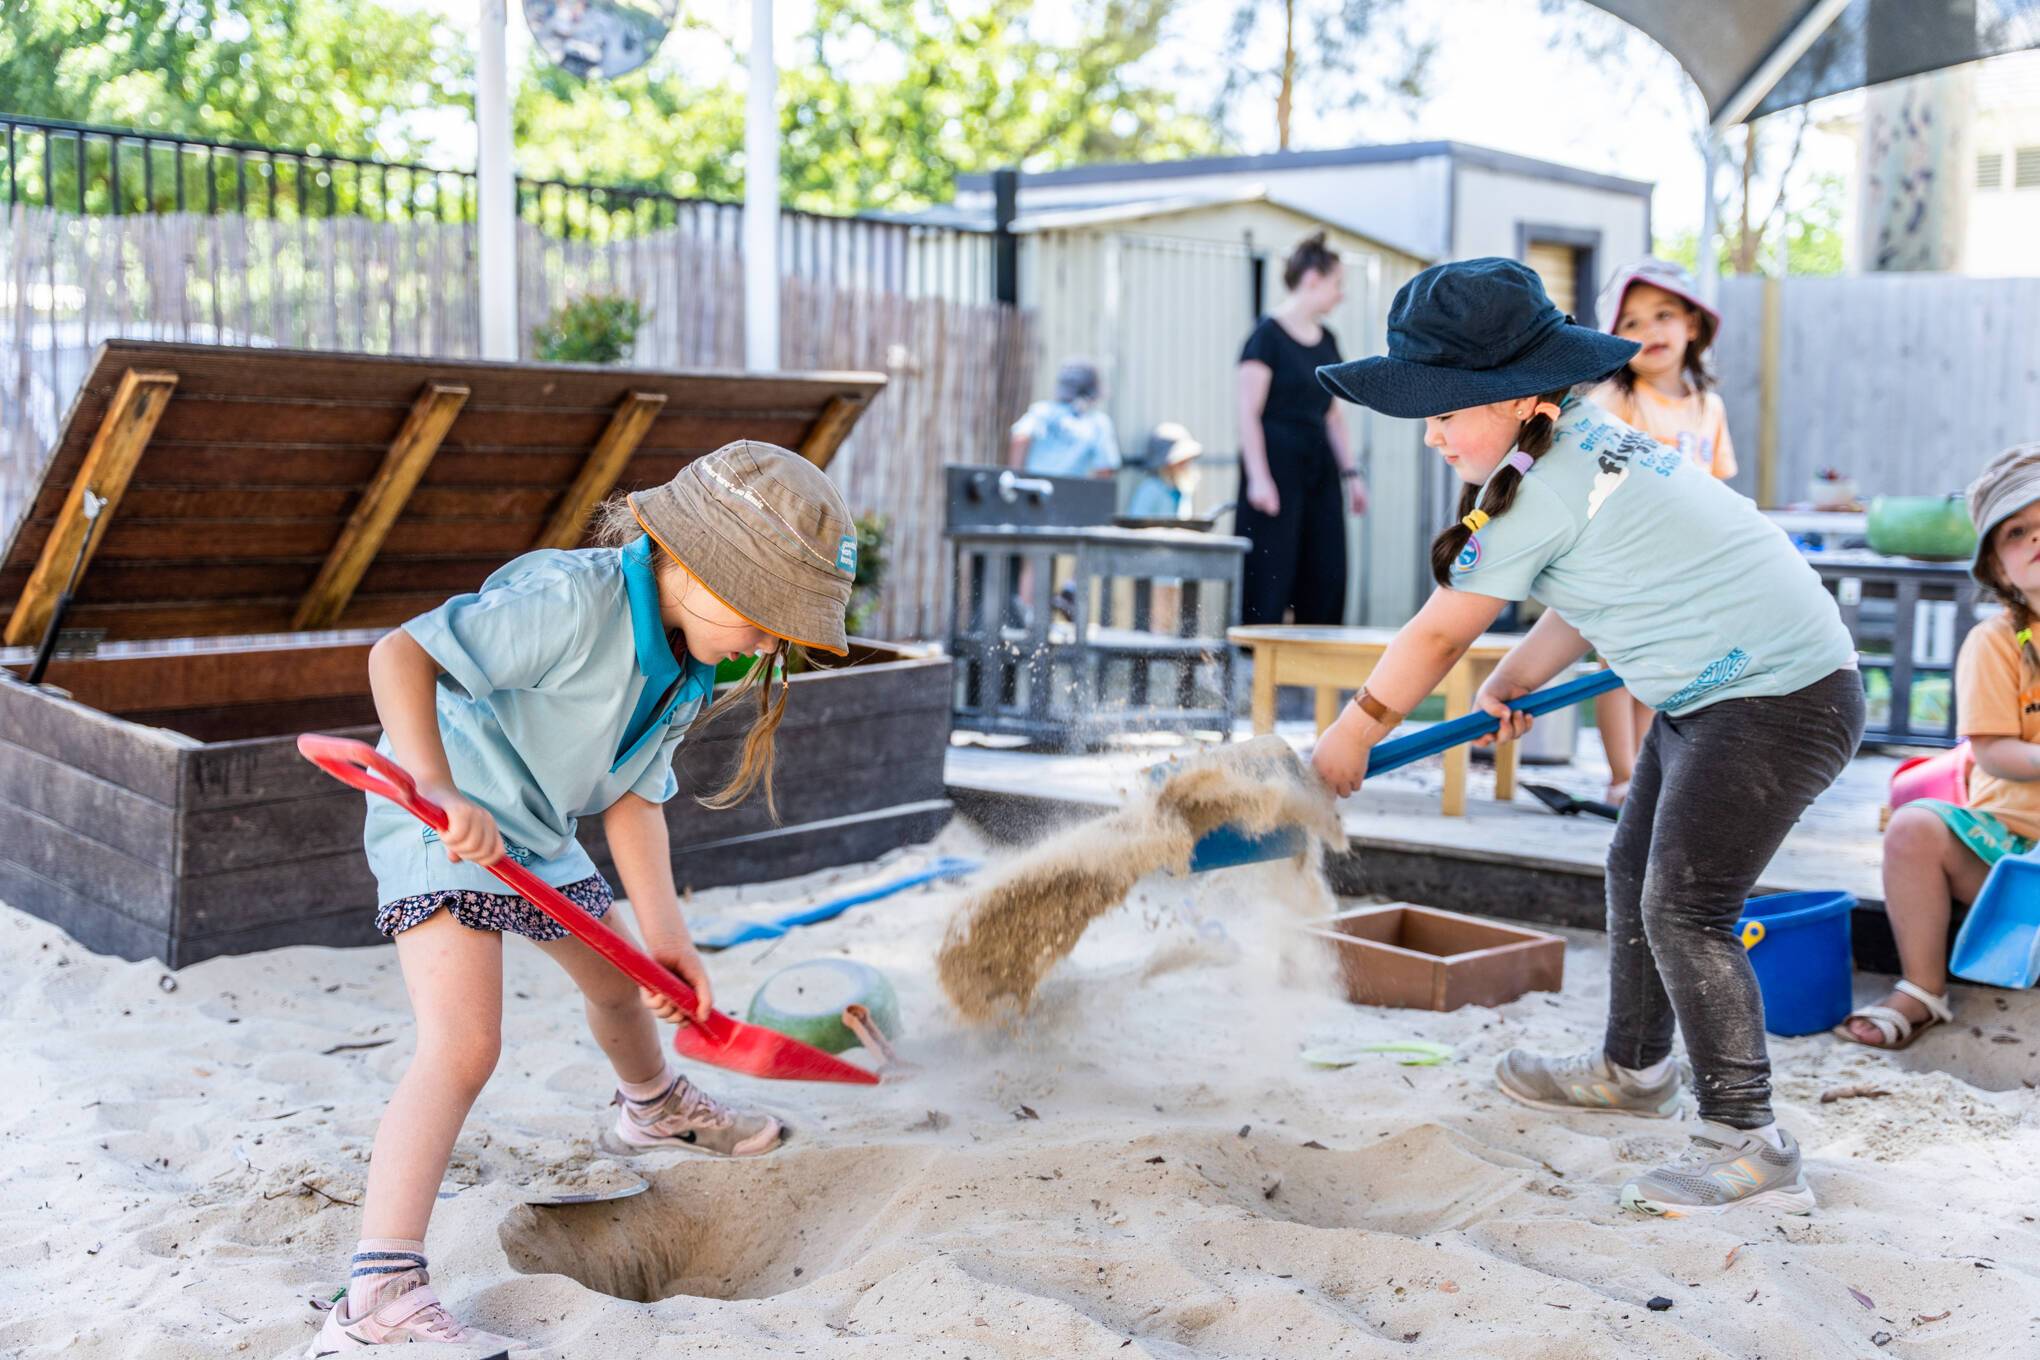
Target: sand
x=1030 y=912
x=1144 y=1168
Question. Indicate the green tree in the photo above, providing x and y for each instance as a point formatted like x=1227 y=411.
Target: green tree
x=965 y=86
x=1318 y=46
x=335 y=76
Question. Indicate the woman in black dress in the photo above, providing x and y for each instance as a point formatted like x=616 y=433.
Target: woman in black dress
x=1297 y=473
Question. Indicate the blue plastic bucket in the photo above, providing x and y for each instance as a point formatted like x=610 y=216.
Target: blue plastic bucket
x=1798 y=944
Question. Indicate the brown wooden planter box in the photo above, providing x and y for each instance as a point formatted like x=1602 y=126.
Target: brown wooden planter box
x=155 y=805
x=1426 y=959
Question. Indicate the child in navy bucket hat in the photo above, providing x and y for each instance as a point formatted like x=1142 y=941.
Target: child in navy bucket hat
x=1710 y=615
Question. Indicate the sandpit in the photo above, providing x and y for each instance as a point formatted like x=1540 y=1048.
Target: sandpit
x=1145 y=1169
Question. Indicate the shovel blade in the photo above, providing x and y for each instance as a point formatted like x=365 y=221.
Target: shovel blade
x=759 y=1052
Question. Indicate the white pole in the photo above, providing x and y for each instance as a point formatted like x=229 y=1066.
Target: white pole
x=1708 y=258
x=761 y=199
x=495 y=201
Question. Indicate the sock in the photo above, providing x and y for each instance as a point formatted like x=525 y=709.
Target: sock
x=1770 y=1133
x=1647 y=1076
x=647 y=1092
x=383 y=1268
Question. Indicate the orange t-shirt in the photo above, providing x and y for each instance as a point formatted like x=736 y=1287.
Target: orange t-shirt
x=1997 y=695
x=1695 y=424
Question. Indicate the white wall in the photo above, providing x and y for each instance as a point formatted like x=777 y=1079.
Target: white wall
x=1490 y=204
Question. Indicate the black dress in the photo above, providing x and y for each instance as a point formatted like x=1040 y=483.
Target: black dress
x=1298 y=558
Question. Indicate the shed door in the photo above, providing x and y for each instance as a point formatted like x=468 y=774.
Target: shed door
x=1559 y=267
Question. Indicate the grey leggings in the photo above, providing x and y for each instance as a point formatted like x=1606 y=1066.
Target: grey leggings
x=1714 y=794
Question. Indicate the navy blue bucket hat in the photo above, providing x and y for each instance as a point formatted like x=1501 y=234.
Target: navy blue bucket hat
x=1473 y=332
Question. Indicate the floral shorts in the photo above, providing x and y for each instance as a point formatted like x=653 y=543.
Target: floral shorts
x=496 y=911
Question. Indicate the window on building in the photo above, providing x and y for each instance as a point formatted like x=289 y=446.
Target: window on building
x=1990 y=170
x=2026 y=168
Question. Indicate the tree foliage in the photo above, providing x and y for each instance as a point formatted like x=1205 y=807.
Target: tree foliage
x=950 y=88
x=1317 y=47
x=336 y=76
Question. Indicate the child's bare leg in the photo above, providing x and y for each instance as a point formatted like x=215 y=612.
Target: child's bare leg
x=455 y=979
x=1926 y=869
x=617 y=1018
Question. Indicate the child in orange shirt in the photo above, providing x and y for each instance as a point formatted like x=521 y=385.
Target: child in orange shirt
x=1935 y=853
x=1666 y=392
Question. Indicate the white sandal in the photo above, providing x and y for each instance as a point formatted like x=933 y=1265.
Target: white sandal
x=1898 y=1029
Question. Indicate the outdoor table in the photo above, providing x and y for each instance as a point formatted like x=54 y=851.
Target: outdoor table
x=1329 y=660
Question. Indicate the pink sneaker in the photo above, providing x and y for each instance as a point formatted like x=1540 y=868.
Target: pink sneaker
x=416 y=1315
x=688 y=1118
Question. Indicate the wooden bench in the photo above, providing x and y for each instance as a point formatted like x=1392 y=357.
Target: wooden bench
x=1329 y=660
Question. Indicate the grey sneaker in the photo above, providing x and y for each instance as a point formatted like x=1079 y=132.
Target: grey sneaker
x=1585 y=1081
x=690 y=1119
x=1724 y=1169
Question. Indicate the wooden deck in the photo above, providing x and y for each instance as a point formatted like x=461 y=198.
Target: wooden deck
x=1514 y=860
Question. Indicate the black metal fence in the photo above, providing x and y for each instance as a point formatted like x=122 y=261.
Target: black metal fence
x=85 y=169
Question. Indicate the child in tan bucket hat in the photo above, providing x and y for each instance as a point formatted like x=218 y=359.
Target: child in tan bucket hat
x=1936 y=852
x=561 y=690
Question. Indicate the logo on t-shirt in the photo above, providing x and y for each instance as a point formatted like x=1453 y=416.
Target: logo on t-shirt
x=1469 y=556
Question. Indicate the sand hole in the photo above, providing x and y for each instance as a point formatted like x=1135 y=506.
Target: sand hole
x=721 y=1230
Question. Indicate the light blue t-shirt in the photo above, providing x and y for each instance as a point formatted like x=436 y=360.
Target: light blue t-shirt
x=1683 y=586
x=560 y=694
x=1066 y=442
x=1154 y=498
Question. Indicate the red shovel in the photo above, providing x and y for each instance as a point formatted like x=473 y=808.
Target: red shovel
x=718 y=1040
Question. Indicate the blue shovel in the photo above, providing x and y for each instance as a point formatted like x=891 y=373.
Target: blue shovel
x=1999 y=942
x=1226 y=846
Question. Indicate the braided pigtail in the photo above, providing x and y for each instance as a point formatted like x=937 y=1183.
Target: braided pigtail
x=2020 y=613
x=1478 y=505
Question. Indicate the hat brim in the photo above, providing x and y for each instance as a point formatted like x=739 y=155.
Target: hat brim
x=1609 y=303
x=1570 y=355
x=690 y=528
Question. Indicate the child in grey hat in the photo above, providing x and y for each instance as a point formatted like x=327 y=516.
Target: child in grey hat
x=1938 y=852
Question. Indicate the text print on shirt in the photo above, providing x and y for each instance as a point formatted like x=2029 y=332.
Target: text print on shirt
x=1625 y=446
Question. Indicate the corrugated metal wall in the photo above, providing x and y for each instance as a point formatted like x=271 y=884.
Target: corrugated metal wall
x=1163 y=306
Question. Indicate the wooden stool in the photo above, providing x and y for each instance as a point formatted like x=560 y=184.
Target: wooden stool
x=1332 y=659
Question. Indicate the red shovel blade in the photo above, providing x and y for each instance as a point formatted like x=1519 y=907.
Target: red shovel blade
x=719 y=1040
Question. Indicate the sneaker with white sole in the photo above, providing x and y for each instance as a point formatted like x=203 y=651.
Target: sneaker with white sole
x=412 y=1317
x=1586 y=1081
x=1723 y=1169
x=690 y=1119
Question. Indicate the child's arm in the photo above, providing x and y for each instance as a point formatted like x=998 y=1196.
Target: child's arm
x=2007 y=757
x=1428 y=646
x=636 y=828
x=403 y=678
x=1549 y=647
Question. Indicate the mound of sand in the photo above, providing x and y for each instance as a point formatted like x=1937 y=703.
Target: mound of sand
x=1016 y=928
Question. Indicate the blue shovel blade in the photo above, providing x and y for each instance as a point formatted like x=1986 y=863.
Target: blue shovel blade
x=2000 y=939
x=1227 y=847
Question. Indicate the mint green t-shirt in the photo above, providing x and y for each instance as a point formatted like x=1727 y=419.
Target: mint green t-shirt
x=1683 y=586
x=560 y=693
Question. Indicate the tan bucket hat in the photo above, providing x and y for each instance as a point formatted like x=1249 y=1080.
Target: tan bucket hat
x=769 y=535
x=2008 y=484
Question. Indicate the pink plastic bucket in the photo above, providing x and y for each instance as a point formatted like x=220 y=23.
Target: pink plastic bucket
x=1944 y=776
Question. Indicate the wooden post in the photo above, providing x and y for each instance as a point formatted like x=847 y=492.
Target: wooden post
x=831 y=427
x=1767 y=398
x=380 y=504
x=138 y=403
x=606 y=461
x=1458 y=703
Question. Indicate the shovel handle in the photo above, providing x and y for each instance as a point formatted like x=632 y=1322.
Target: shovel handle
x=361 y=766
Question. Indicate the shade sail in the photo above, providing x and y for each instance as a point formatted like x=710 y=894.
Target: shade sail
x=1727 y=45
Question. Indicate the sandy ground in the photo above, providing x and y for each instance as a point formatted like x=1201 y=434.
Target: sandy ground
x=1147 y=1168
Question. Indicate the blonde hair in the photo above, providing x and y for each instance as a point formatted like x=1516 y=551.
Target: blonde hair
x=616 y=526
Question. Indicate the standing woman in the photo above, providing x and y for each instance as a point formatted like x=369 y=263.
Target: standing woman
x=1297 y=473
